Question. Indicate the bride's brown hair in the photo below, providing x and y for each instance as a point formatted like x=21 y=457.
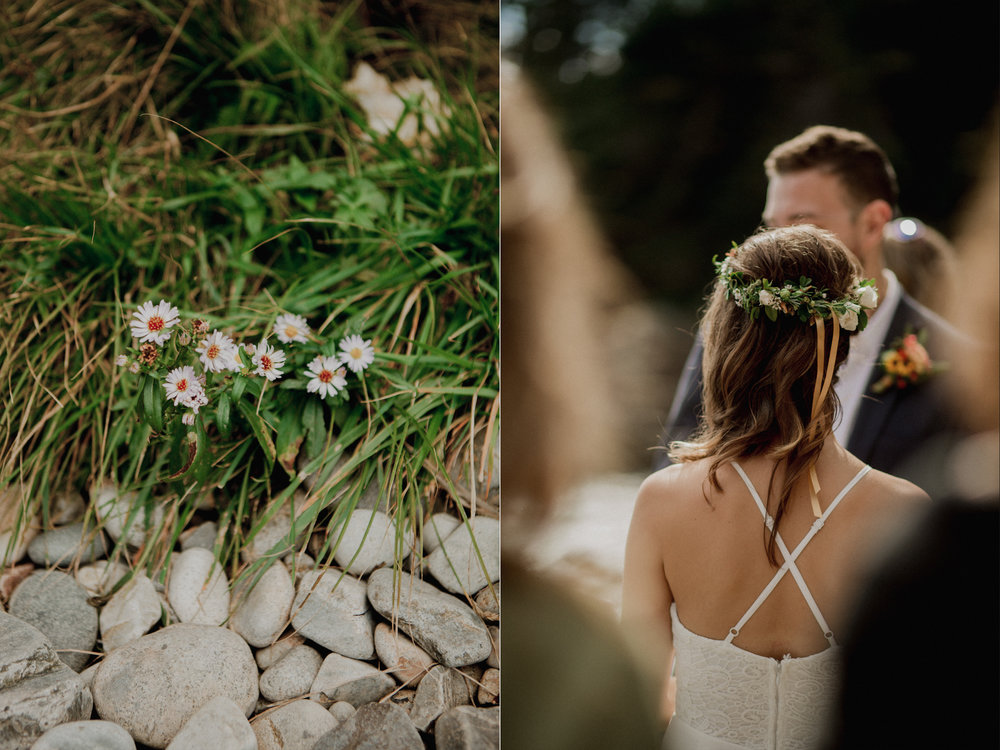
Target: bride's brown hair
x=758 y=376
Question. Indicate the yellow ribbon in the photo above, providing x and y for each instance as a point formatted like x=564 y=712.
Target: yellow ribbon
x=820 y=390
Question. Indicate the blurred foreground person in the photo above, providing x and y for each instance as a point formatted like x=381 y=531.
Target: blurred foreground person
x=569 y=681
x=744 y=556
x=924 y=261
x=922 y=650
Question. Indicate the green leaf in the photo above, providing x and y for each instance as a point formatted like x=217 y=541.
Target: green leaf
x=260 y=431
x=222 y=414
x=239 y=385
x=771 y=313
x=315 y=430
x=289 y=438
x=152 y=403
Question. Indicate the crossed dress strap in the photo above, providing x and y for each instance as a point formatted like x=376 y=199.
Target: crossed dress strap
x=790 y=557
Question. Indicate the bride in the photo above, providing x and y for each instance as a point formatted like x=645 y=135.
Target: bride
x=743 y=557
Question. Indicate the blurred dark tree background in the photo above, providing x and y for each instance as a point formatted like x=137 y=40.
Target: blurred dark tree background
x=668 y=107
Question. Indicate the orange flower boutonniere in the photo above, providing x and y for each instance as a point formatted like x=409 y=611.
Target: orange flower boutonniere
x=906 y=363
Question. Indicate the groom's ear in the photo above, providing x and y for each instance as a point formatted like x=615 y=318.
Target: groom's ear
x=872 y=220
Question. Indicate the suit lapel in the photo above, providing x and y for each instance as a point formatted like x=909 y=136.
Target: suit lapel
x=876 y=408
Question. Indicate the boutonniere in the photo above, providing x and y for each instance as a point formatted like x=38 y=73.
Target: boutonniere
x=906 y=363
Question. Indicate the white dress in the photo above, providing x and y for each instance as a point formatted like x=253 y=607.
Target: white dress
x=731 y=699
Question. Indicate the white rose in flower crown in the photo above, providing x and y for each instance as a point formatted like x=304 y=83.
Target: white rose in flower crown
x=868 y=297
x=766 y=298
x=849 y=320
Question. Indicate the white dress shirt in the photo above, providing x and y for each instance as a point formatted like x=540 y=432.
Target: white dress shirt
x=865 y=349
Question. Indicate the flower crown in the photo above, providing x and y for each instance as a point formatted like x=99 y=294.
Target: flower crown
x=805 y=299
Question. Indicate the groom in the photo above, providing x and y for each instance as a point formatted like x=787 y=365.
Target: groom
x=841 y=181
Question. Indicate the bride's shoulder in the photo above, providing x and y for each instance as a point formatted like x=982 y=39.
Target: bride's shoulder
x=663 y=491
x=895 y=490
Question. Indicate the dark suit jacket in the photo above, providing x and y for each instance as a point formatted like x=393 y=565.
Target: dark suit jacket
x=904 y=431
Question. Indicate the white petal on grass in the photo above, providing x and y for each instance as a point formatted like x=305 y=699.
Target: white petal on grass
x=217 y=352
x=326 y=376
x=289 y=328
x=153 y=322
x=182 y=383
x=357 y=353
x=268 y=361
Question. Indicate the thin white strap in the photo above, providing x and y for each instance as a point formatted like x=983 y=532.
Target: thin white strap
x=791 y=557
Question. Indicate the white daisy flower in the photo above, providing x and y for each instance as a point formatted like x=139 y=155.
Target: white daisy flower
x=268 y=361
x=326 y=376
x=180 y=383
x=194 y=400
x=217 y=352
x=289 y=328
x=153 y=322
x=356 y=353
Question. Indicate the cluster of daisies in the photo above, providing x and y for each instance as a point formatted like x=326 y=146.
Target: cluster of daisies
x=152 y=325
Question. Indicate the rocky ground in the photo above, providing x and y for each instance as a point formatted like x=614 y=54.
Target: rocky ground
x=354 y=655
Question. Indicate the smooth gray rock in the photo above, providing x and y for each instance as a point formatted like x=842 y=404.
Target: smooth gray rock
x=24 y=651
x=343 y=679
x=274 y=533
x=269 y=655
x=438 y=622
x=342 y=711
x=198 y=589
x=293 y=726
x=487 y=603
x=124 y=517
x=403 y=659
x=202 y=535
x=36 y=704
x=262 y=608
x=494 y=658
x=437 y=528
x=375 y=726
x=368 y=541
x=63 y=545
x=442 y=688
x=85 y=735
x=220 y=724
x=37 y=690
x=130 y=613
x=457 y=566
x=468 y=728
x=100 y=577
x=57 y=605
x=331 y=608
x=154 y=684
x=489 y=687
x=292 y=675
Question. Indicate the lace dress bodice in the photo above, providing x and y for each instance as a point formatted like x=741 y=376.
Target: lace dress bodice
x=732 y=699
x=747 y=700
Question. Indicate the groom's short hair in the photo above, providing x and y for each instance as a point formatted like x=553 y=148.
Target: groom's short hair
x=862 y=166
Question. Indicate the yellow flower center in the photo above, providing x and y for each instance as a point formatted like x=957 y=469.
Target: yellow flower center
x=291 y=332
x=212 y=352
x=356 y=353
